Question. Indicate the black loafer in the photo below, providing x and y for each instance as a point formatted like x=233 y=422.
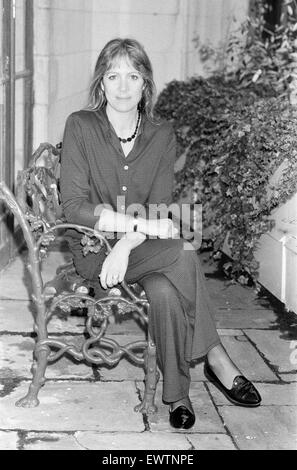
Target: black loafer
x=181 y=418
x=242 y=393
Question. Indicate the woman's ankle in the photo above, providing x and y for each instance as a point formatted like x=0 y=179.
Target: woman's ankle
x=217 y=357
x=182 y=402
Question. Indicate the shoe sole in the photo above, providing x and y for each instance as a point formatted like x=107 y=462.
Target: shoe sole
x=185 y=428
x=235 y=402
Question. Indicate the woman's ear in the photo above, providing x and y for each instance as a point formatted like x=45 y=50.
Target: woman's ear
x=102 y=85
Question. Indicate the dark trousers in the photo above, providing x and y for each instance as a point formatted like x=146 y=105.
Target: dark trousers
x=168 y=325
x=181 y=320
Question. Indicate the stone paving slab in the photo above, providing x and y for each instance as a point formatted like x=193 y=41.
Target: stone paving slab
x=126 y=326
x=16 y=360
x=134 y=441
x=248 y=317
x=8 y=440
x=278 y=394
x=229 y=332
x=16 y=316
x=14 y=281
x=272 y=394
x=228 y=295
x=207 y=419
x=87 y=440
x=122 y=371
x=211 y=441
x=75 y=406
x=69 y=324
x=50 y=441
x=275 y=347
x=288 y=377
x=262 y=428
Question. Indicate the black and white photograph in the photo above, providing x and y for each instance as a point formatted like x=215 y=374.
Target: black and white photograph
x=148 y=229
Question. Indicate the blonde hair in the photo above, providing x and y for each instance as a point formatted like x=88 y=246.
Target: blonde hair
x=134 y=51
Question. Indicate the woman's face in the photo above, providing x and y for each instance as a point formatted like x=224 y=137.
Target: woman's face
x=123 y=86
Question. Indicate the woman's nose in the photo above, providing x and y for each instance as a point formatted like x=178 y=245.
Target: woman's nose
x=123 y=84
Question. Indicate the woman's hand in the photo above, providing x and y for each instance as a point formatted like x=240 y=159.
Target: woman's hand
x=115 y=266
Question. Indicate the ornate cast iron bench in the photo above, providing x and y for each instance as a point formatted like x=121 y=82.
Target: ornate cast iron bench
x=38 y=211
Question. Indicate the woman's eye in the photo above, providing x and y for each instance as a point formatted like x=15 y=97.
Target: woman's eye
x=111 y=77
x=134 y=76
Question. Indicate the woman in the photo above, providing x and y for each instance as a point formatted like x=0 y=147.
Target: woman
x=115 y=156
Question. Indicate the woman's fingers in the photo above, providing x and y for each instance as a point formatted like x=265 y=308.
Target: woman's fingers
x=114 y=268
x=115 y=279
x=109 y=278
x=103 y=279
x=104 y=276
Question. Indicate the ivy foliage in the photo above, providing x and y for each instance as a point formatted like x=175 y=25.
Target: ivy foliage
x=234 y=137
x=258 y=52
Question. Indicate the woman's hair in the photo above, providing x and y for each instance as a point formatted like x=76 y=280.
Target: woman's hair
x=134 y=51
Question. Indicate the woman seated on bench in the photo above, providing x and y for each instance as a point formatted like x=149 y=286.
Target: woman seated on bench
x=117 y=156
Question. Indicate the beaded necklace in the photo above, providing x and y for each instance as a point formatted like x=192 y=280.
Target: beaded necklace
x=124 y=141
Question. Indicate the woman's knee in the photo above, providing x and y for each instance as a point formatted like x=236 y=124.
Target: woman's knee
x=158 y=288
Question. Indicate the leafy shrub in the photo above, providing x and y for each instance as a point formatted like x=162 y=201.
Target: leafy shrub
x=255 y=53
x=233 y=140
x=235 y=128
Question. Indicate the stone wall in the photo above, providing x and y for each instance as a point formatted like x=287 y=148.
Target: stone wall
x=159 y=26
x=70 y=33
x=63 y=54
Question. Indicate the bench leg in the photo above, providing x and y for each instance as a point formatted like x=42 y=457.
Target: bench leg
x=38 y=370
x=151 y=379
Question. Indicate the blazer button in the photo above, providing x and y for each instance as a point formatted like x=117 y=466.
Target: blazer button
x=124 y=188
x=126 y=167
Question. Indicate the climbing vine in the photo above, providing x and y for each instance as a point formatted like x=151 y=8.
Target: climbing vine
x=234 y=131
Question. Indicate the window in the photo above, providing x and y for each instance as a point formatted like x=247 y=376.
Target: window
x=16 y=102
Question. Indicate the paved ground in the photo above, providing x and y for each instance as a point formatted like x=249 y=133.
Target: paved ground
x=83 y=407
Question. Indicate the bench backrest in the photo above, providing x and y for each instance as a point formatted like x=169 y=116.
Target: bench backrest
x=38 y=187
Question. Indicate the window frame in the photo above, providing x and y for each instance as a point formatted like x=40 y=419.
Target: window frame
x=8 y=243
